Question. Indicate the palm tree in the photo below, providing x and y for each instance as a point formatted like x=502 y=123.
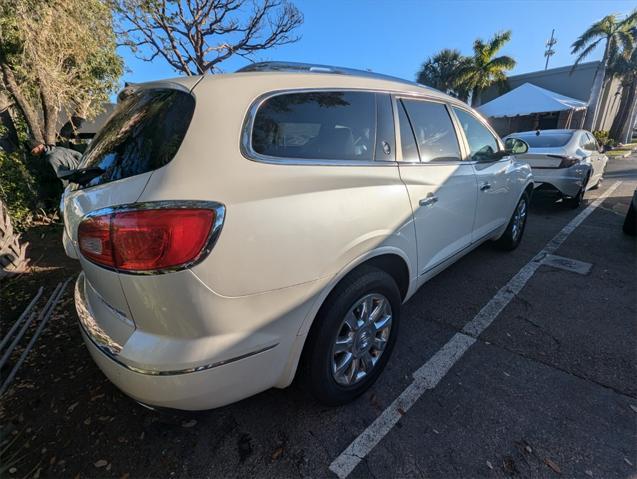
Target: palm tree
x=441 y=71
x=483 y=70
x=624 y=66
x=615 y=35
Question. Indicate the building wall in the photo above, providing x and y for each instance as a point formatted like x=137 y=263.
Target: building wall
x=560 y=80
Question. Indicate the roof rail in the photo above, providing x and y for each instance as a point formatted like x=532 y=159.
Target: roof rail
x=314 y=68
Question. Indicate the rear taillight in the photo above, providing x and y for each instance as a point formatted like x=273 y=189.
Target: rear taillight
x=148 y=239
x=567 y=161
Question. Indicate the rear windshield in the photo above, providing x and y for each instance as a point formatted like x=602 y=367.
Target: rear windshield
x=143 y=134
x=552 y=140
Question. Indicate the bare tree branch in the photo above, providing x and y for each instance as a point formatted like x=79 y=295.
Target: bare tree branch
x=195 y=36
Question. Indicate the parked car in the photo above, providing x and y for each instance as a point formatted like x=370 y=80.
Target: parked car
x=238 y=230
x=569 y=162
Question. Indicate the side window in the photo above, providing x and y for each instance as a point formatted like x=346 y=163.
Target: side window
x=407 y=140
x=317 y=125
x=584 y=141
x=481 y=141
x=433 y=129
x=592 y=142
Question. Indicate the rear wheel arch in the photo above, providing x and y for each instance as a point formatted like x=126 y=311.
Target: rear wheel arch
x=391 y=263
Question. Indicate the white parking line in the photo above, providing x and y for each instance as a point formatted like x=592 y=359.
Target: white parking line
x=429 y=374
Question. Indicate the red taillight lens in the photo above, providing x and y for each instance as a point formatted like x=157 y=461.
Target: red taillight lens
x=146 y=240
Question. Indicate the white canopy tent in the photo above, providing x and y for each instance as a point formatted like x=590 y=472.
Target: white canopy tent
x=529 y=99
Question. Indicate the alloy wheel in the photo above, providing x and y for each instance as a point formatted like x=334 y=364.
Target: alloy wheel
x=361 y=339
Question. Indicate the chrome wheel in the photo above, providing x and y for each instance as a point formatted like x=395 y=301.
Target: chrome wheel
x=519 y=217
x=361 y=339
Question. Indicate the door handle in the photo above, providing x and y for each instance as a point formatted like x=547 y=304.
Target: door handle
x=429 y=200
x=485 y=186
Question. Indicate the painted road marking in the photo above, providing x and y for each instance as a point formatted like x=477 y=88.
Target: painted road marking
x=567 y=264
x=429 y=374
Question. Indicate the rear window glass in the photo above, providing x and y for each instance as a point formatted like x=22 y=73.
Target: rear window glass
x=317 y=125
x=434 y=131
x=143 y=134
x=546 y=141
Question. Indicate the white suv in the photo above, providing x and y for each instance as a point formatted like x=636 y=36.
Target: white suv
x=236 y=231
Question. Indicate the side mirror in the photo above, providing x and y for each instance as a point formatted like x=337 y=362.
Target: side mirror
x=516 y=146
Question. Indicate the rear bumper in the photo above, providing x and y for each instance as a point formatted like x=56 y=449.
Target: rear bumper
x=226 y=377
x=567 y=181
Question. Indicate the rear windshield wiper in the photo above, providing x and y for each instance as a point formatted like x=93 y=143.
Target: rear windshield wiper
x=81 y=176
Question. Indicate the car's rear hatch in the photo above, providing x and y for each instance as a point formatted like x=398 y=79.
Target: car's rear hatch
x=143 y=134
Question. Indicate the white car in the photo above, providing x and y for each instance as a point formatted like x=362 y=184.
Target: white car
x=568 y=161
x=236 y=231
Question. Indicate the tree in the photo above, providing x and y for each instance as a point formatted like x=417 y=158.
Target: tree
x=57 y=59
x=441 y=71
x=196 y=36
x=615 y=35
x=483 y=70
x=624 y=66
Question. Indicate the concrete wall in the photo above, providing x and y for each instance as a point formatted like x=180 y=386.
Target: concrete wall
x=576 y=85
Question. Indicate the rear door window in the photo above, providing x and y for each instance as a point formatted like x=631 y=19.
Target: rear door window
x=434 y=131
x=317 y=125
x=143 y=134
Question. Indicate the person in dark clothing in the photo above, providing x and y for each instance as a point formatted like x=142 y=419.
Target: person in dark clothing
x=61 y=159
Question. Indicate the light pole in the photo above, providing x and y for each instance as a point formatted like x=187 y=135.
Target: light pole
x=549 y=52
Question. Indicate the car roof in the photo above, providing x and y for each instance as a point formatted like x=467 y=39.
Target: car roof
x=273 y=76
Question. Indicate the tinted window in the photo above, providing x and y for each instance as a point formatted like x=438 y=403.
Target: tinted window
x=317 y=125
x=433 y=129
x=551 y=140
x=143 y=134
x=481 y=141
x=407 y=140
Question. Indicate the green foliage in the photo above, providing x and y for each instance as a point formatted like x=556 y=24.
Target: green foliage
x=603 y=138
x=610 y=31
x=458 y=75
x=441 y=71
x=58 y=57
x=17 y=188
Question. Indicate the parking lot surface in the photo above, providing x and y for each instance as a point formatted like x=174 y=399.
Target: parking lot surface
x=545 y=387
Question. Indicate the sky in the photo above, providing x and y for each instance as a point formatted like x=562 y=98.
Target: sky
x=395 y=37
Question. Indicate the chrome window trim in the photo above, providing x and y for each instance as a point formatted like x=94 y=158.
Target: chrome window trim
x=220 y=215
x=248 y=123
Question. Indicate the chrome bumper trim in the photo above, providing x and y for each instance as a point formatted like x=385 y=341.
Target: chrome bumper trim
x=111 y=348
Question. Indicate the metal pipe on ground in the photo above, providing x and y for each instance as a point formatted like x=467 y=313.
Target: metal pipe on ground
x=51 y=306
x=24 y=314
x=14 y=343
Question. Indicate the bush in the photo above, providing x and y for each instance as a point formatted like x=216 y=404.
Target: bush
x=603 y=139
x=27 y=185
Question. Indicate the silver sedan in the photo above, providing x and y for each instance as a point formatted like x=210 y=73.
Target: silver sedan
x=569 y=161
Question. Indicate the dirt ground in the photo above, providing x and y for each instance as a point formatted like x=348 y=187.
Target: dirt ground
x=61 y=415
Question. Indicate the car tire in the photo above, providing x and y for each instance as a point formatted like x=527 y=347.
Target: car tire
x=512 y=236
x=324 y=372
x=575 y=201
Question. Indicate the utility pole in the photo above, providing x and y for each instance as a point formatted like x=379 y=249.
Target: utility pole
x=549 y=52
